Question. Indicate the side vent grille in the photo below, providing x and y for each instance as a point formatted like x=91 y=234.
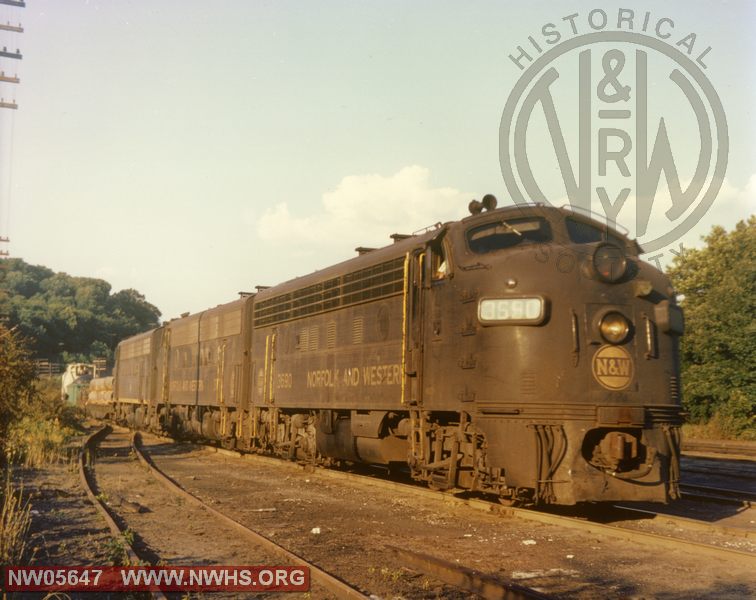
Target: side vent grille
x=358 y=325
x=303 y=340
x=331 y=335
x=379 y=281
x=674 y=389
x=314 y=339
x=528 y=383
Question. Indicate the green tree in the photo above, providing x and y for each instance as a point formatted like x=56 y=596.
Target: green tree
x=73 y=318
x=718 y=285
x=17 y=377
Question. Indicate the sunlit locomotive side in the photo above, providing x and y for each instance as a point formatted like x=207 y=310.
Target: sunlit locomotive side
x=525 y=351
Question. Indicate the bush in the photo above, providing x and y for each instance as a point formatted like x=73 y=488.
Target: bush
x=18 y=375
x=718 y=350
x=736 y=416
x=35 y=443
x=734 y=419
x=35 y=427
x=42 y=426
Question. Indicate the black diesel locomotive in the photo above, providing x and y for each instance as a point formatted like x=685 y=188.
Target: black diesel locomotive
x=524 y=351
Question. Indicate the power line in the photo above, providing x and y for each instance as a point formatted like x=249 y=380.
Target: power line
x=9 y=104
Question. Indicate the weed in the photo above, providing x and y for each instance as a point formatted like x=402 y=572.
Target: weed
x=116 y=552
x=128 y=536
x=34 y=443
x=15 y=519
x=73 y=463
x=391 y=574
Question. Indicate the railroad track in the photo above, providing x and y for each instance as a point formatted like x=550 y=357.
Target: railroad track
x=579 y=523
x=719 y=471
x=716 y=494
x=683 y=522
x=86 y=465
x=720 y=447
x=479 y=582
x=484 y=585
x=333 y=584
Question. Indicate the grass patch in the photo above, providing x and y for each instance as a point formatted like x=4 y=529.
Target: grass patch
x=36 y=431
x=42 y=434
x=34 y=443
x=15 y=519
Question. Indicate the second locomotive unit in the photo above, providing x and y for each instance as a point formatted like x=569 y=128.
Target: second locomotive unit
x=524 y=351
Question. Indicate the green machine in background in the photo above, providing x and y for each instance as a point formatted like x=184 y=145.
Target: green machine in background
x=75 y=383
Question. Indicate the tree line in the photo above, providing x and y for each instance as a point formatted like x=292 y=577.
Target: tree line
x=717 y=284
x=66 y=318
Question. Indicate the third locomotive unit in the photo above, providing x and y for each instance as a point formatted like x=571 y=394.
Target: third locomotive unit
x=523 y=351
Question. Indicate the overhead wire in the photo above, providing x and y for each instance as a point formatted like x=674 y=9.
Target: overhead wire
x=9 y=16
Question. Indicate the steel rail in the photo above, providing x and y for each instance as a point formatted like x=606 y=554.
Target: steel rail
x=721 y=472
x=333 y=584
x=689 y=523
x=716 y=494
x=526 y=514
x=86 y=463
x=741 y=448
x=484 y=585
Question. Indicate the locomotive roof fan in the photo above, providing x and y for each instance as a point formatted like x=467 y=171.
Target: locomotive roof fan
x=488 y=203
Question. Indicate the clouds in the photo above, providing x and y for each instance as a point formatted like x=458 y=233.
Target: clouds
x=364 y=209
x=733 y=204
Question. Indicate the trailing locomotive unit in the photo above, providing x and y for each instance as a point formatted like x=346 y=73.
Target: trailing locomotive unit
x=527 y=352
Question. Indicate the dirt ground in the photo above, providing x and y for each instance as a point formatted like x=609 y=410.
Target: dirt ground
x=347 y=528
x=356 y=525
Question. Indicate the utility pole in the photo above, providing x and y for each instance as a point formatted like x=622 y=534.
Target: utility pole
x=8 y=105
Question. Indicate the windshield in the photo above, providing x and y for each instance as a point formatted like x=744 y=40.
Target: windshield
x=581 y=232
x=507 y=233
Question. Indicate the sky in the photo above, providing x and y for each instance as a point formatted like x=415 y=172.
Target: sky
x=192 y=150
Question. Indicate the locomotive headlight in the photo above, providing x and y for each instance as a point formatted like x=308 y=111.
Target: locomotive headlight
x=529 y=311
x=614 y=327
x=609 y=262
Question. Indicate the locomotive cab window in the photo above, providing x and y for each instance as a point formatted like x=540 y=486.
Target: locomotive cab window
x=508 y=233
x=585 y=233
x=439 y=263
